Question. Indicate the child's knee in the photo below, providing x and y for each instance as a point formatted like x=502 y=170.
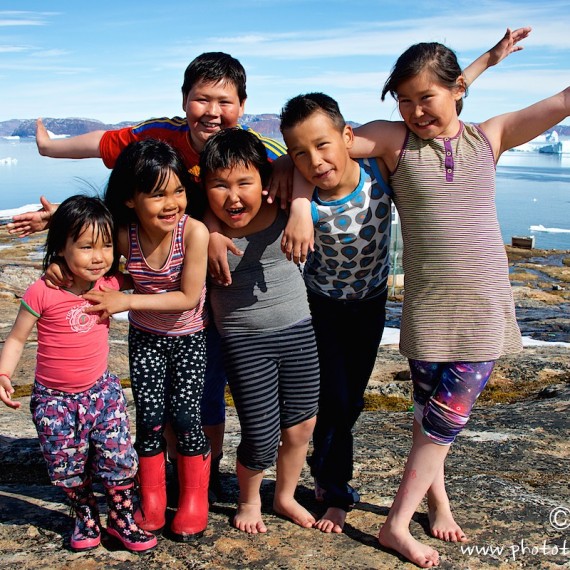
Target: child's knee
x=441 y=424
x=301 y=433
x=258 y=456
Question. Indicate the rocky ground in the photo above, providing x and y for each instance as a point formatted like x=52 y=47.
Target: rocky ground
x=507 y=473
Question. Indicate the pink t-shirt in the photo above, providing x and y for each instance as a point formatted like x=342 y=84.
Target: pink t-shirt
x=72 y=346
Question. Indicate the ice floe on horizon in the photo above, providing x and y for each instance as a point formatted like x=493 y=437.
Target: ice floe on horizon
x=8 y=213
x=541 y=228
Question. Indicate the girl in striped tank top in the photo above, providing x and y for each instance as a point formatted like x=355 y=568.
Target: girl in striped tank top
x=166 y=256
x=458 y=314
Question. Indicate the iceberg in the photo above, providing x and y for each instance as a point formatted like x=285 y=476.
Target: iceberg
x=54 y=136
x=541 y=228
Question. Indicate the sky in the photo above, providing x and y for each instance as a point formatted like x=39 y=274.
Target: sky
x=124 y=61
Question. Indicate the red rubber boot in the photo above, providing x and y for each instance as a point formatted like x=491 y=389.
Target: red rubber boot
x=191 y=518
x=152 y=490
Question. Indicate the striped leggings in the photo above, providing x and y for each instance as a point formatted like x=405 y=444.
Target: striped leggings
x=274 y=380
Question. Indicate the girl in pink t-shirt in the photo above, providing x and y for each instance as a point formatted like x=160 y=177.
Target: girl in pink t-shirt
x=77 y=406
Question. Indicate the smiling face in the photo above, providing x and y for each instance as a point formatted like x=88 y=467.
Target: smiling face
x=320 y=152
x=429 y=108
x=90 y=256
x=234 y=194
x=161 y=209
x=210 y=107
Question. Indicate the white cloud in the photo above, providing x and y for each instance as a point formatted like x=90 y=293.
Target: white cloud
x=12 y=18
x=467 y=29
x=12 y=49
x=50 y=53
x=6 y=23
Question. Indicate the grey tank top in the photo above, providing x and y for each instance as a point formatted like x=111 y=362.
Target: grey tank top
x=458 y=301
x=267 y=291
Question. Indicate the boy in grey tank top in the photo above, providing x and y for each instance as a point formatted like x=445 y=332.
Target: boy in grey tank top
x=263 y=317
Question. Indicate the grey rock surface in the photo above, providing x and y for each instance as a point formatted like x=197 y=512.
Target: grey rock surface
x=508 y=479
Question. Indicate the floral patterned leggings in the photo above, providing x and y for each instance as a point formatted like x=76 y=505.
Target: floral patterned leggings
x=84 y=434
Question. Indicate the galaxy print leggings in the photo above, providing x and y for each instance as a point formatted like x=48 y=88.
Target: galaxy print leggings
x=167 y=378
x=444 y=394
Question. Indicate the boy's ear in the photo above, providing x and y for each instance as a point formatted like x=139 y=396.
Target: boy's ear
x=184 y=99
x=130 y=203
x=348 y=136
x=241 y=108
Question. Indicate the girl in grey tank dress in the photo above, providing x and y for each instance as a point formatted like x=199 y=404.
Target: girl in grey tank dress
x=458 y=314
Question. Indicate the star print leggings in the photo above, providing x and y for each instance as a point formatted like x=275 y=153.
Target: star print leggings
x=167 y=378
x=444 y=394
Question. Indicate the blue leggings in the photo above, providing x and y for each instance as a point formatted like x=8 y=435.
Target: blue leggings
x=213 y=405
x=348 y=335
x=444 y=394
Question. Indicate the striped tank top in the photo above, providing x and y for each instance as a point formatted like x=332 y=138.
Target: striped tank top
x=148 y=281
x=458 y=301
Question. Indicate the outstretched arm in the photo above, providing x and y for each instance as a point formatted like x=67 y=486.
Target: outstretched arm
x=505 y=46
x=513 y=129
x=11 y=353
x=23 y=225
x=81 y=146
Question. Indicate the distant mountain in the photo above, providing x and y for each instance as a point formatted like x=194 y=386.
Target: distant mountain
x=70 y=126
x=267 y=124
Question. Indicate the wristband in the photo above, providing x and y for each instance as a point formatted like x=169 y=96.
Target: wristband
x=7 y=376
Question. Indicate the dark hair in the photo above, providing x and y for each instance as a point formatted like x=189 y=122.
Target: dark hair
x=213 y=67
x=140 y=168
x=301 y=107
x=436 y=58
x=70 y=220
x=232 y=147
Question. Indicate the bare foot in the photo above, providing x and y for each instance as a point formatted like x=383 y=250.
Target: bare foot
x=442 y=525
x=292 y=510
x=332 y=520
x=248 y=518
x=404 y=543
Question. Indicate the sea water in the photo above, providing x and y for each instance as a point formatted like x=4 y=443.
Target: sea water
x=533 y=190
